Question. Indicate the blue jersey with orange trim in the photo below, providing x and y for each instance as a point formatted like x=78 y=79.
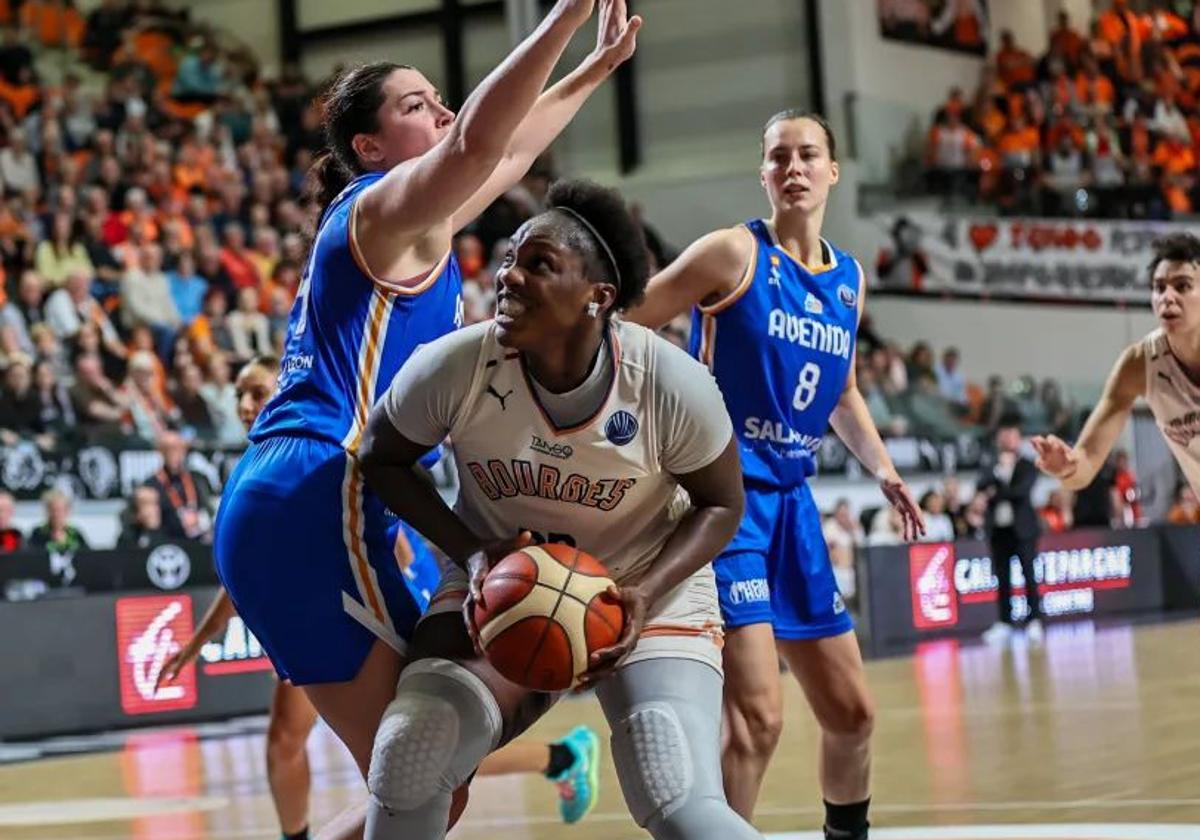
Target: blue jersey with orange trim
x=349 y=333
x=780 y=346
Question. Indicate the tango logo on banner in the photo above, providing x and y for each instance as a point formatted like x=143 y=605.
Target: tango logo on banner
x=149 y=630
x=931 y=570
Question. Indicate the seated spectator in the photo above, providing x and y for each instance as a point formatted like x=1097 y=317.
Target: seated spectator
x=843 y=534
x=16 y=59
x=98 y=403
x=143 y=523
x=1126 y=498
x=18 y=166
x=211 y=328
x=62 y=253
x=938 y=526
x=1056 y=514
x=1014 y=65
x=996 y=404
x=57 y=535
x=193 y=408
x=1186 y=509
x=19 y=416
x=235 y=259
x=55 y=411
x=1065 y=175
x=221 y=396
x=150 y=413
x=889 y=422
x=199 y=77
x=249 y=328
x=187 y=288
x=887 y=527
x=11 y=538
x=952 y=157
x=184 y=494
x=951 y=383
x=921 y=364
x=72 y=306
x=930 y=414
x=1059 y=411
x=972 y=525
x=146 y=297
x=953 y=499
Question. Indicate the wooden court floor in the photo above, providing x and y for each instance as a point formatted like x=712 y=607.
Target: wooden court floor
x=1101 y=725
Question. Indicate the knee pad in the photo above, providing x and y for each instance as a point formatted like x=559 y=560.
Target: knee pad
x=442 y=723
x=653 y=761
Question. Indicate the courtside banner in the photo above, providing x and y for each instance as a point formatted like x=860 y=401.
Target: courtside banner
x=90 y=662
x=1026 y=259
x=929 y=590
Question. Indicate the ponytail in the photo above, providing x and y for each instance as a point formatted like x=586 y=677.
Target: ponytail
x=326 y=179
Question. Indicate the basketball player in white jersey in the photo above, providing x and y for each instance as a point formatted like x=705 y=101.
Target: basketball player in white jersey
x=1164 y=367
x=570 y=426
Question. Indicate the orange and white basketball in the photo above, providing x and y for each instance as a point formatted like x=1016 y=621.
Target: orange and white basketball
x=542 y=615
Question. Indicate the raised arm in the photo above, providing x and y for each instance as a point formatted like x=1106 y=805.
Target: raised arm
x=615 y=42
x=1077 y=466
x=709 y=270
x=422 y=193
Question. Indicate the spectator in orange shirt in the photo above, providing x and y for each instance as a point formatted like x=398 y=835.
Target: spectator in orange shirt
x=1176 y=159
x=1126 y=498
x=1020 y=145
x=1094 y=90
x=1056 y=514
x=1186 y=510
x=952 y=156
x=235 y=259
x=1015 y=66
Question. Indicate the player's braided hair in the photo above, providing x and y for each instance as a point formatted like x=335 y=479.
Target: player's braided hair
x=607 y=234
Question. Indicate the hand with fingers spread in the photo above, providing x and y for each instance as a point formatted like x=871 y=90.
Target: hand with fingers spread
x=605 y=661
x=478 y=565
x=901 y=498
x=1055 y=457
x=616 y=35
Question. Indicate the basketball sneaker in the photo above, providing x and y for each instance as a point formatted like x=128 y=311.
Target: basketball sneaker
x=579 y=785
x=998 y=633
x=1034 y=631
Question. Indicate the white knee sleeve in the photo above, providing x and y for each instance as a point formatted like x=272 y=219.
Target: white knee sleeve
x=442 y=723
x=652 y=760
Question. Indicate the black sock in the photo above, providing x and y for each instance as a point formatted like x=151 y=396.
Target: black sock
x=302 y=834
x=561 y=758
x=847 y=822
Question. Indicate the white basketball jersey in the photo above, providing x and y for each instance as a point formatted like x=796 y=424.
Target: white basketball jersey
x=598 y=485
x=1175 y=403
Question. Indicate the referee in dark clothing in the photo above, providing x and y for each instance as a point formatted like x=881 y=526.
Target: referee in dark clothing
x=1012 y=526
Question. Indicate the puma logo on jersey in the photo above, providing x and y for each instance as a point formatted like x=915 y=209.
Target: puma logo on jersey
x=500 y=398
x=505 y=480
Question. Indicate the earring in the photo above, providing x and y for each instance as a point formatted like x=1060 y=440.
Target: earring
x=593 y=309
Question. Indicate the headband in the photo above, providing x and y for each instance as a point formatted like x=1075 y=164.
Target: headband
x=595 y=235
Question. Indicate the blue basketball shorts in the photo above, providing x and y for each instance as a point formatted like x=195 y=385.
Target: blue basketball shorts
x=306 y=552
x=777 y=570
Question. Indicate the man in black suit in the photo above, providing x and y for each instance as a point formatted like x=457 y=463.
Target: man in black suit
x=1012 y=526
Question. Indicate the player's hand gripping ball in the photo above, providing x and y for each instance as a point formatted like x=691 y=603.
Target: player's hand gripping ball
x=543 y=612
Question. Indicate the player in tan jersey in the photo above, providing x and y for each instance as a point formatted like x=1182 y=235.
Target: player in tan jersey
x=586 y=427
x=1164 y=368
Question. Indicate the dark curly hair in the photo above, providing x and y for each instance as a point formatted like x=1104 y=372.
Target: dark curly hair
x=605 y=210
x=1176 y=247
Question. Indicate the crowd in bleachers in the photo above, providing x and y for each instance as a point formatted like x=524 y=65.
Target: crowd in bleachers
x=1105 y=123
x=153 y=226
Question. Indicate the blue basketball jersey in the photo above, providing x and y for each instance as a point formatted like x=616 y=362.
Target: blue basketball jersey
x=780 y=346
x=348 y=333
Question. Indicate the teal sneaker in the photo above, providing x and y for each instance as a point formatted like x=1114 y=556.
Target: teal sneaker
x=579 y=785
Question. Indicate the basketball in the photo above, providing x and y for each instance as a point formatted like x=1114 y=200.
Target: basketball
x=542 y=615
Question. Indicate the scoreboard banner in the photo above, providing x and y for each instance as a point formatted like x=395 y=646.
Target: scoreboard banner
x=931 y=590
x=1025 y=259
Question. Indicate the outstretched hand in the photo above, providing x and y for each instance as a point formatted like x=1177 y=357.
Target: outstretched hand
x=901 y=498
x=1055 y=457
x=616 y=34
x=605 y=661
